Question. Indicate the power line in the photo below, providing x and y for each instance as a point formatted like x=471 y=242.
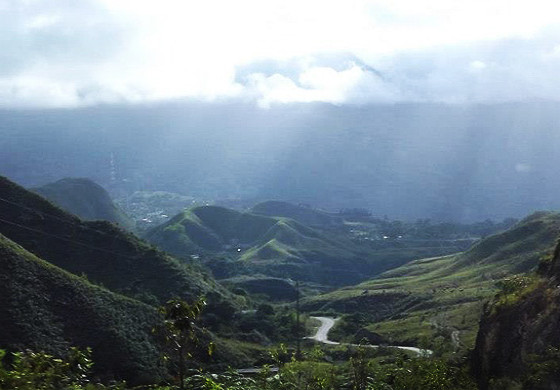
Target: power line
x=65 y=220
x=67 y=239
x=32 y=209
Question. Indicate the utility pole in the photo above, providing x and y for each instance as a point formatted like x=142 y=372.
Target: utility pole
x=298 y=336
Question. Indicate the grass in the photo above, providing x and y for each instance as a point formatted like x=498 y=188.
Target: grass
x=278 y=246
x=437 y=297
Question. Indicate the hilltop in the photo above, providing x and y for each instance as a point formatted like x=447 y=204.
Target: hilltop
x=274 y=246
x=84 y=198
x=303 y=214
x=441 y=297
x=329 y=249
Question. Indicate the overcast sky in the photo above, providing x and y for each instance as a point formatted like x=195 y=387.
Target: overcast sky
x=66 y=53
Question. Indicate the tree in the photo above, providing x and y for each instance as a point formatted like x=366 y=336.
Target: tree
x=179 y=320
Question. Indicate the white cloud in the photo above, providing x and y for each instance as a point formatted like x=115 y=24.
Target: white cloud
x=477 y=66
x=69 y=52
x=321 y=84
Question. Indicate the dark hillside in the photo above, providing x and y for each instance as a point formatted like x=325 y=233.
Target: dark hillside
x=518 y=343
x=85 y=199
x=44 y=308
x=104 y=253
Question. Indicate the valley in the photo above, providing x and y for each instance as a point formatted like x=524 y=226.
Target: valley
x=414 y=289
x=279 y=195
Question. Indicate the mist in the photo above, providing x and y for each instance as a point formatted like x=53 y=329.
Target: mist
x=445 y=162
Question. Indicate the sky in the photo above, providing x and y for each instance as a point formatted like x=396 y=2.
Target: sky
x=71 y=53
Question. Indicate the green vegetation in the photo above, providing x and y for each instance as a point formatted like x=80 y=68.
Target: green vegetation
x=84 y=285
x=517 y=344
x=47 y=309
x=40 y=371
x=99 y=250
x=273 y=246
x=68 y=282
x=86 y=199
x=438 y=301
x=275 y=289
x=363 y=371
x=302 y=214
x=333 y=252
x=180 y=331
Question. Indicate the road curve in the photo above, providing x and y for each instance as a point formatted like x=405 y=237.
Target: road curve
x=323 y=331
x=327 y=323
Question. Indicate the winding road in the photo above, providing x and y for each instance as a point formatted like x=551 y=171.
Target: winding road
x=323 y=331
x=327 y=323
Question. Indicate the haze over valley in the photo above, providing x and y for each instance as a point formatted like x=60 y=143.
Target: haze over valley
x=447 y=163
x=279 y=195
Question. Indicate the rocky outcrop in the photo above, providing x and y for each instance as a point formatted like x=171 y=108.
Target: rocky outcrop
x=519 y=333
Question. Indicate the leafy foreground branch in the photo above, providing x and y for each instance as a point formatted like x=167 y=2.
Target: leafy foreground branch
x=359 y=373
x=39 y=371
x=362 y=371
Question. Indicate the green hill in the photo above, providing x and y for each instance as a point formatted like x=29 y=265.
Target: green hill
x=273 y=246
x=243 y=243
x=86 y=199
x=99 y=250
x=443 y=297
x=44 y=308
x=302 y=214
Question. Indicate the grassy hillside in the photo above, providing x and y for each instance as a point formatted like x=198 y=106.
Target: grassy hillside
x=44 y=308
x=273 y=246
x=302 y=214
x=279 y=246
x=99 y=250
x=440 y=299
x=86 y=199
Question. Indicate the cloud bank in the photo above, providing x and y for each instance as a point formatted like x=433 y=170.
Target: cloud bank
x=75 y=53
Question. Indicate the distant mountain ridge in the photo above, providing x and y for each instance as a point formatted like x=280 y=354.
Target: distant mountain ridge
x=303 y=214
x=406 y=161
x=84 y=198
